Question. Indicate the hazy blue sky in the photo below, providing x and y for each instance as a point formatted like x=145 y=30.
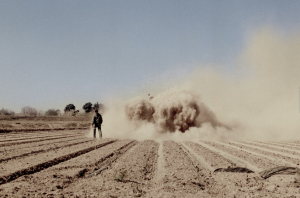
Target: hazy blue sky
x=53 y=53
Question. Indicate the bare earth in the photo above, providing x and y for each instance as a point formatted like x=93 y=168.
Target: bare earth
x=62 y=163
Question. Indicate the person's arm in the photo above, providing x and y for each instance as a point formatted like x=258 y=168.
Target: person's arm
x=93 y=120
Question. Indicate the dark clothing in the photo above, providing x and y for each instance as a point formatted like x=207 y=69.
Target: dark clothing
x=96 y=126
x=97 y=120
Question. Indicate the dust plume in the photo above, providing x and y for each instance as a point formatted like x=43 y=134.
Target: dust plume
x=140 y=109
x=171 y=111
x=259 y=100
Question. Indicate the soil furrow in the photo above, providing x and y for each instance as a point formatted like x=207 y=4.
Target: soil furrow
x=65 y=177
x=284 y=145
x=112 y=158
x=266 y=160
x=294 y=144
x=23 y=153
x=198 y=162
x=270 y=153
x=240 y=158
x=9 y=139
x=39 y=140
x=291 y=142
x=37 y=144
x=47 y=129
x=211 y=159
x=44 y=165
x=22 y=135
x=97 y=158
x=138 y=163
x=151 y=162
x=30 y=138
x=134 y=174
x=272 y=149
x=277 y=148
x=35 y=133
x=13 y=165
x=181 y=172
x=160 y=162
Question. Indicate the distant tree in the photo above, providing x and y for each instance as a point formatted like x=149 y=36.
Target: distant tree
x=69 y=107
x=52 y=112
x=87 y=107
x=41 y=113
x=58 y=112
x=6 y=112
x=29 y=111
x=74 y=113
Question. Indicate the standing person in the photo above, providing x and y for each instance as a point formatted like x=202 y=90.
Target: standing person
x=97 y=121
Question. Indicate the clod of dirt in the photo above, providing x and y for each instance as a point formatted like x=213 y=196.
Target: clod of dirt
x=120 y=175
x=234 y=170
x=81 y=173
x=136 y=191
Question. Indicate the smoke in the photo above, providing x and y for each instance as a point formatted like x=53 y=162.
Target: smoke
x=259 y=100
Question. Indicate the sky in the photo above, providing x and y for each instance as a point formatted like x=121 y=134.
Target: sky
x=53 y=53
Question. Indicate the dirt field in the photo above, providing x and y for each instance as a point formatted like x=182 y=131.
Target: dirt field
x=66 y=163
x=9 y=124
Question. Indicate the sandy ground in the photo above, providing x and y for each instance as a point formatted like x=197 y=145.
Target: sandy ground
x=17 y=124
x=70 y=164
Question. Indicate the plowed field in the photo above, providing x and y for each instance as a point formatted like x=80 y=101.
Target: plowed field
x=69 y=164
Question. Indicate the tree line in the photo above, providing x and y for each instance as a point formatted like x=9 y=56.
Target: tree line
x=70 y=109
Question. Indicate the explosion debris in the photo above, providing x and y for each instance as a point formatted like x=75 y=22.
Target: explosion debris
x=170 y=112
x=140 y=109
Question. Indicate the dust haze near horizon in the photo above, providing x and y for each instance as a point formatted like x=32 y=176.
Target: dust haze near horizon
x=261 y=103
x=236 y=60
x=54 y=53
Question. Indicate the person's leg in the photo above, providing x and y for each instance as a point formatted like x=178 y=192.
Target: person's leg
x=95 y=132
x=100 y=132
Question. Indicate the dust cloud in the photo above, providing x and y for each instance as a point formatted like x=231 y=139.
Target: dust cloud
x=259 y=100
x=171 y=111
x=140 y=109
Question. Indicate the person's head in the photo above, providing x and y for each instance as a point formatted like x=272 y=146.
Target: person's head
x=96 y=111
